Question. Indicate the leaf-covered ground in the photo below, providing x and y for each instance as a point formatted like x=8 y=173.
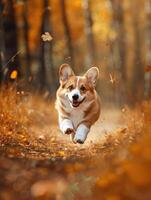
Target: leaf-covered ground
x=37 y=162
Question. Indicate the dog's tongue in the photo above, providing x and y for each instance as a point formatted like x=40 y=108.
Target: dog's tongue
x=75 y=103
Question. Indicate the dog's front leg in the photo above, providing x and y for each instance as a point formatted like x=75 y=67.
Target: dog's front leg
x=81 y=133
x=66 y=126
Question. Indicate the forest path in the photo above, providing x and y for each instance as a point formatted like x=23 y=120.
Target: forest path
x=49 y=134
x=44 y=140
x=33 y=162
x=109 y=121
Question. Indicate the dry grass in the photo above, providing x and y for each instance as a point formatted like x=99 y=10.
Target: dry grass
x=34 y=157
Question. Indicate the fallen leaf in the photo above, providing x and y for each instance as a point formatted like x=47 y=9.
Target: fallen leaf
x=61 y=153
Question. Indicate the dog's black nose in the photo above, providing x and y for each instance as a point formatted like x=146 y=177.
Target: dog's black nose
x=75 y=97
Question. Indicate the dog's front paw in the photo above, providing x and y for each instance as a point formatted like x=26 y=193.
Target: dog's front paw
x=69 y=131
x=80 y=141
x=81 y=134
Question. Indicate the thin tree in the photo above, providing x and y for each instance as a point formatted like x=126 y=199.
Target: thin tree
x=2 y=46
x=26 y=40
x=148 y=47
x=89 y=32
x=120 y=41
x=119 y=49
x=138 y=67
x=10 y=39
x=47 y=74
x=67 y=31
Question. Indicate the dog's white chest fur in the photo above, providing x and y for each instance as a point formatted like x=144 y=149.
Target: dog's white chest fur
x=76 y=116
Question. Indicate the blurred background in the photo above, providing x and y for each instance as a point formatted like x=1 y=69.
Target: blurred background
x=36 y=160
x=37 y=36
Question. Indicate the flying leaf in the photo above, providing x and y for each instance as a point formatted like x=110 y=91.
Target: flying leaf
x=14 y=74
x=112 y=78
x=46 y=37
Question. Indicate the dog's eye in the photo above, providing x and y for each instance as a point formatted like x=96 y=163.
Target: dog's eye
x=70 y=87
x=82 y=88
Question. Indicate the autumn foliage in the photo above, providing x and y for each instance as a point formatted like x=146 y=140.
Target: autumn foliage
x=37 y=162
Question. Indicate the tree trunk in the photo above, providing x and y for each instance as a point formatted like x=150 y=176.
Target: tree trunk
x=118 y=17
x=2 y=46
x=138 y=72
x=10 y=39
x=119 y=43
x=67 y=32
x=148 y=48
x=26 y=41
x=89 y=33
x=119 y=49
x=47 y=74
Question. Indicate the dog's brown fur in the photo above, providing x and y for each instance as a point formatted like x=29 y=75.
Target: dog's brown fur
x=88 y=110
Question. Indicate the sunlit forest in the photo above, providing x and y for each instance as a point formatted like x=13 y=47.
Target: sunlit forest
x=36 y=160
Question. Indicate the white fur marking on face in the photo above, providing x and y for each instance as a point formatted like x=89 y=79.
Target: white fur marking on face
x=78 y=78
x=75 y=91
x=81 y=133
x=65 y=124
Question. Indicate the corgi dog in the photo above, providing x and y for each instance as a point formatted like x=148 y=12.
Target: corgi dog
x=77 y=102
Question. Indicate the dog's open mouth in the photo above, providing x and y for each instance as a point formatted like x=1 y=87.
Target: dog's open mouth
x=76 y=103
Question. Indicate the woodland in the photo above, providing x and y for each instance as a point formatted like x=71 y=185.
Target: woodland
x=36 y=160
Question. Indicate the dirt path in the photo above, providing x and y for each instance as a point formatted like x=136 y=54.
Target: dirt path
x=45 y=154
x=43 y=139
x=109 y=121
x=38 y=162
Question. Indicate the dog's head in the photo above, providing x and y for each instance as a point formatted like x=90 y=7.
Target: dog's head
x=77 y=89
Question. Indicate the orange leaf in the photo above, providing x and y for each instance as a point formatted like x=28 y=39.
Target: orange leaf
x=14 y=74
x=61 y=153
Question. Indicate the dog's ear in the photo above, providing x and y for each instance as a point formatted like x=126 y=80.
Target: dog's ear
x=65 y=72
x=92 y=75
